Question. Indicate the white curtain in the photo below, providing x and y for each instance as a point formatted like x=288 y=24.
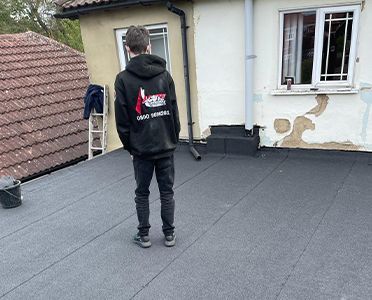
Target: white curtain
x=292 y=46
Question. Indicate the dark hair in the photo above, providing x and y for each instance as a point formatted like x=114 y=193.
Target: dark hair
x=137 y=39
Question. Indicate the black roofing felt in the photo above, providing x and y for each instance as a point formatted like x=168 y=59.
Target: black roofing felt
x=283 y=225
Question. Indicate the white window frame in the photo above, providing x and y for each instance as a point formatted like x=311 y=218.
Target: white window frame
x=318 y=48
x=123 y=31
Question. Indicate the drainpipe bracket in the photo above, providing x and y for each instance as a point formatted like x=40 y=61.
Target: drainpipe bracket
x=250 y=57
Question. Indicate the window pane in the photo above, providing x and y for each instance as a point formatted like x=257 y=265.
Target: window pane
x=334 y=78
x=156 y=30
x=337 y=16
x=298 y=47
x=347 y=46
x=159 y=45
x=126 y=56
x=325 y=46
x=336 y=47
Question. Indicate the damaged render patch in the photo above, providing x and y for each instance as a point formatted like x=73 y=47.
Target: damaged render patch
x=301 y=124
x=321 y=107
x=294 y=139
x=257 y=98
x=282 y=125
x=347 y=146
x=206 y=132
x=366 y=96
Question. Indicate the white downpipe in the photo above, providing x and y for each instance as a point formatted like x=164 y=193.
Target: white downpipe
x=249 y=56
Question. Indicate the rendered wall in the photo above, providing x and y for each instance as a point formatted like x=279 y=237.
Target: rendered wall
x=341 y=122
x=98 y=32
x=219 y=49
x=328 y=121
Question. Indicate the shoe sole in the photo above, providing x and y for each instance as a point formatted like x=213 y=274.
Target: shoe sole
x=170 y=243
x=143 y=244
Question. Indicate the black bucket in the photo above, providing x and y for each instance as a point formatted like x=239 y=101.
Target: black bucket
x=11 y=196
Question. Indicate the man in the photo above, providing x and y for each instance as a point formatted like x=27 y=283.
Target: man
x=148 y=125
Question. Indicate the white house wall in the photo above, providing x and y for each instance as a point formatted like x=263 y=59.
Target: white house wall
x=330 y=121
x=219 y=47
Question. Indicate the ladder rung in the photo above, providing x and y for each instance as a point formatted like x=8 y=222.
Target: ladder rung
x=93 y=129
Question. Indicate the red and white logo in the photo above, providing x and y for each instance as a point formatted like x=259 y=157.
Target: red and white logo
x=156 y=100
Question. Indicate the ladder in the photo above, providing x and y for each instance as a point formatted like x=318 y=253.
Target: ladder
x=98 y=127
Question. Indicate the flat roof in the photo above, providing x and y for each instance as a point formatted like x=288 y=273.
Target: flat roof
x=282 y=225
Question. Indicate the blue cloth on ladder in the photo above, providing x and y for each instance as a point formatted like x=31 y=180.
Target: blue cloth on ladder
x=93 y=99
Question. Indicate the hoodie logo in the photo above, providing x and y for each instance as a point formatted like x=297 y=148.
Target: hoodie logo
x=156 y=100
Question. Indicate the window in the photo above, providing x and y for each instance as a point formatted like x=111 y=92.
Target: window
x=158 y=41
x=318 y=47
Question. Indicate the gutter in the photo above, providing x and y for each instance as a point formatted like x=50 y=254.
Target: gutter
x=184 y=27
x=74 y=13
x=54 y=169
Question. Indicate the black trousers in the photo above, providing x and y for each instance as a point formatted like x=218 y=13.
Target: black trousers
x=143 y=172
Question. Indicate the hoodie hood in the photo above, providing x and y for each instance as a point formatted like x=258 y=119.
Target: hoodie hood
x=146 y=65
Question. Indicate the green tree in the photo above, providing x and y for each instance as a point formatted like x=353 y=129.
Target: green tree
x=37 y=15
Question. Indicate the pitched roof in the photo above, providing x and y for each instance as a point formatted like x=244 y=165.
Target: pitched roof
x=76 y=3
x=42 y=84
x=74 y=8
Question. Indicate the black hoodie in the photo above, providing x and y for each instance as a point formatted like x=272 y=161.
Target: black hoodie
x=146 y=108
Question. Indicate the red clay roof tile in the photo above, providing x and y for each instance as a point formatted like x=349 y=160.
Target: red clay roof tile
x=77 y=3
x=42 y=85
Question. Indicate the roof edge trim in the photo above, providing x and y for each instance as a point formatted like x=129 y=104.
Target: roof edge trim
x=76 y=12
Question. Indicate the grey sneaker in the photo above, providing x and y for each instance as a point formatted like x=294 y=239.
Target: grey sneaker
x=142 y=241
x=170 y=240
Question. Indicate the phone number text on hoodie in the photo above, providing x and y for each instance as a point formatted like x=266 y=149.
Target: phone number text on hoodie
x=157 y=114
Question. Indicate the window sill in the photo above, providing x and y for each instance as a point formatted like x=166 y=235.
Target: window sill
x=297 y=92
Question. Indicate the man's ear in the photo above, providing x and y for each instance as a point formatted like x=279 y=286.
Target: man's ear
x=148 y=49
